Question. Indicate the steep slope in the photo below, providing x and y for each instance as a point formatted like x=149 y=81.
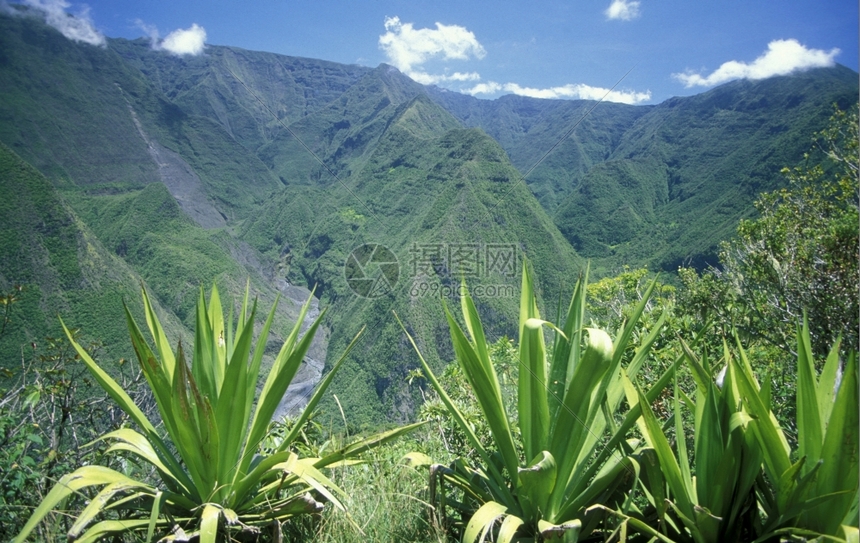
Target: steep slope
x=84 y=116
x=63 y=268
x=216 y=86
x=437 y=201
x=156 y=184
x=343 y=132
x=659 y=185
x=528 y=128
x=194 y=169
x=689 y=169
x=62 y=107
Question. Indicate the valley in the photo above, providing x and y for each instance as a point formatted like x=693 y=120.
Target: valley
x=123 y=165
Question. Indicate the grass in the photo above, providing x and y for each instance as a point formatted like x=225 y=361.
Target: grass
x=386 y=499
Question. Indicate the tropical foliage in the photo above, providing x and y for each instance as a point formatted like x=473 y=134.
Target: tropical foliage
x=800 y=254
x=813 y=489
x=570 y=453
x=122 y=164
x=211 y=475
x=710 y=493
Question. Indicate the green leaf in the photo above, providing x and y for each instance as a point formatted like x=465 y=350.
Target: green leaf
x=770 y=437
x=100 y=530
x=166 y=354
x=482 y=521
x=827 y=382
x=283 y=370
x=126 y=439
x=80 y=478
x=535 y=484
x=157 y=504
x=116 y=392
x=532 y=391
x=484 y=382
x=840 y=453
x=566 y=346
x=508 y=529
x=671 y=470
x=451 y=407
x=574 y=426
x=209 y=523
x=810 y=424
x=315 y=398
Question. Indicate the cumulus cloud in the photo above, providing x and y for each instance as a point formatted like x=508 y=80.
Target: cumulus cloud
x=407 y=48
x=190 y=41
x=624 y=10
x=570 y=91
x=782 y=57
x=434 y=79
x=76 y=27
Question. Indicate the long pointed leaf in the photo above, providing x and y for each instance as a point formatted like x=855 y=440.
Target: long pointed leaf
x=209 y=523
x=671 y=469
x=840 y=453
x=810 y=424
x=532 y=391
x=485 y=385
x=80 y=478
x=110 y=386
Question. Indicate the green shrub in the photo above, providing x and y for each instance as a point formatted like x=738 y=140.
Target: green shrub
x=212 y=478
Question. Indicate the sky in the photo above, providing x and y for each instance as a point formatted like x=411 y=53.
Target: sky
x=630 y=51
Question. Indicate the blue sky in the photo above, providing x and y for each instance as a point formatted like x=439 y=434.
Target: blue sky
x=553 y=49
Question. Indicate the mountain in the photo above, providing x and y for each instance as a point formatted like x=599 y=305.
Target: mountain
x=155 y=186
x=292 y=174
x=659 y=185
x=63 y=267
x=440 y=198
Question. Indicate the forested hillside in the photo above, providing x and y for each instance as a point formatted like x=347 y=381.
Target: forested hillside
x=296 y=174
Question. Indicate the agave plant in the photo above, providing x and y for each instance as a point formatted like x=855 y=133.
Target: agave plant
x=211 y=473
x=718 y=503
x=818 y=492
x=575 y=454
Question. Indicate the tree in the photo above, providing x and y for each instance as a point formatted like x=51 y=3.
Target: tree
x=799 y=255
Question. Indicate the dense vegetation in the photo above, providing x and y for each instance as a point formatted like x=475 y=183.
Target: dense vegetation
x=122 y=166
x=675 y=429
x=237 y=164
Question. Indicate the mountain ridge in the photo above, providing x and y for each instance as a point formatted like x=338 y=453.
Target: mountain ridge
x=240 y=164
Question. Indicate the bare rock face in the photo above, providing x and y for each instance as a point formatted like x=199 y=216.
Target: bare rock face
x=182 y=181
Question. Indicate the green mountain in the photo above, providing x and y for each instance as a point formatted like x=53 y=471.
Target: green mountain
x=444 y=201
x=292 y=173
x=152 y=184
x=528 y=128
x=659 y=185
x=63 y=267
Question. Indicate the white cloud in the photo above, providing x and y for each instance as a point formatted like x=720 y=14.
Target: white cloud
x=434 y=79
x=150 y=31
x=782 y=57
x=625 y=10
x=77 y=27
x=490 y=87
x=408 y=48
x=189 y=41
x=570 y=91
